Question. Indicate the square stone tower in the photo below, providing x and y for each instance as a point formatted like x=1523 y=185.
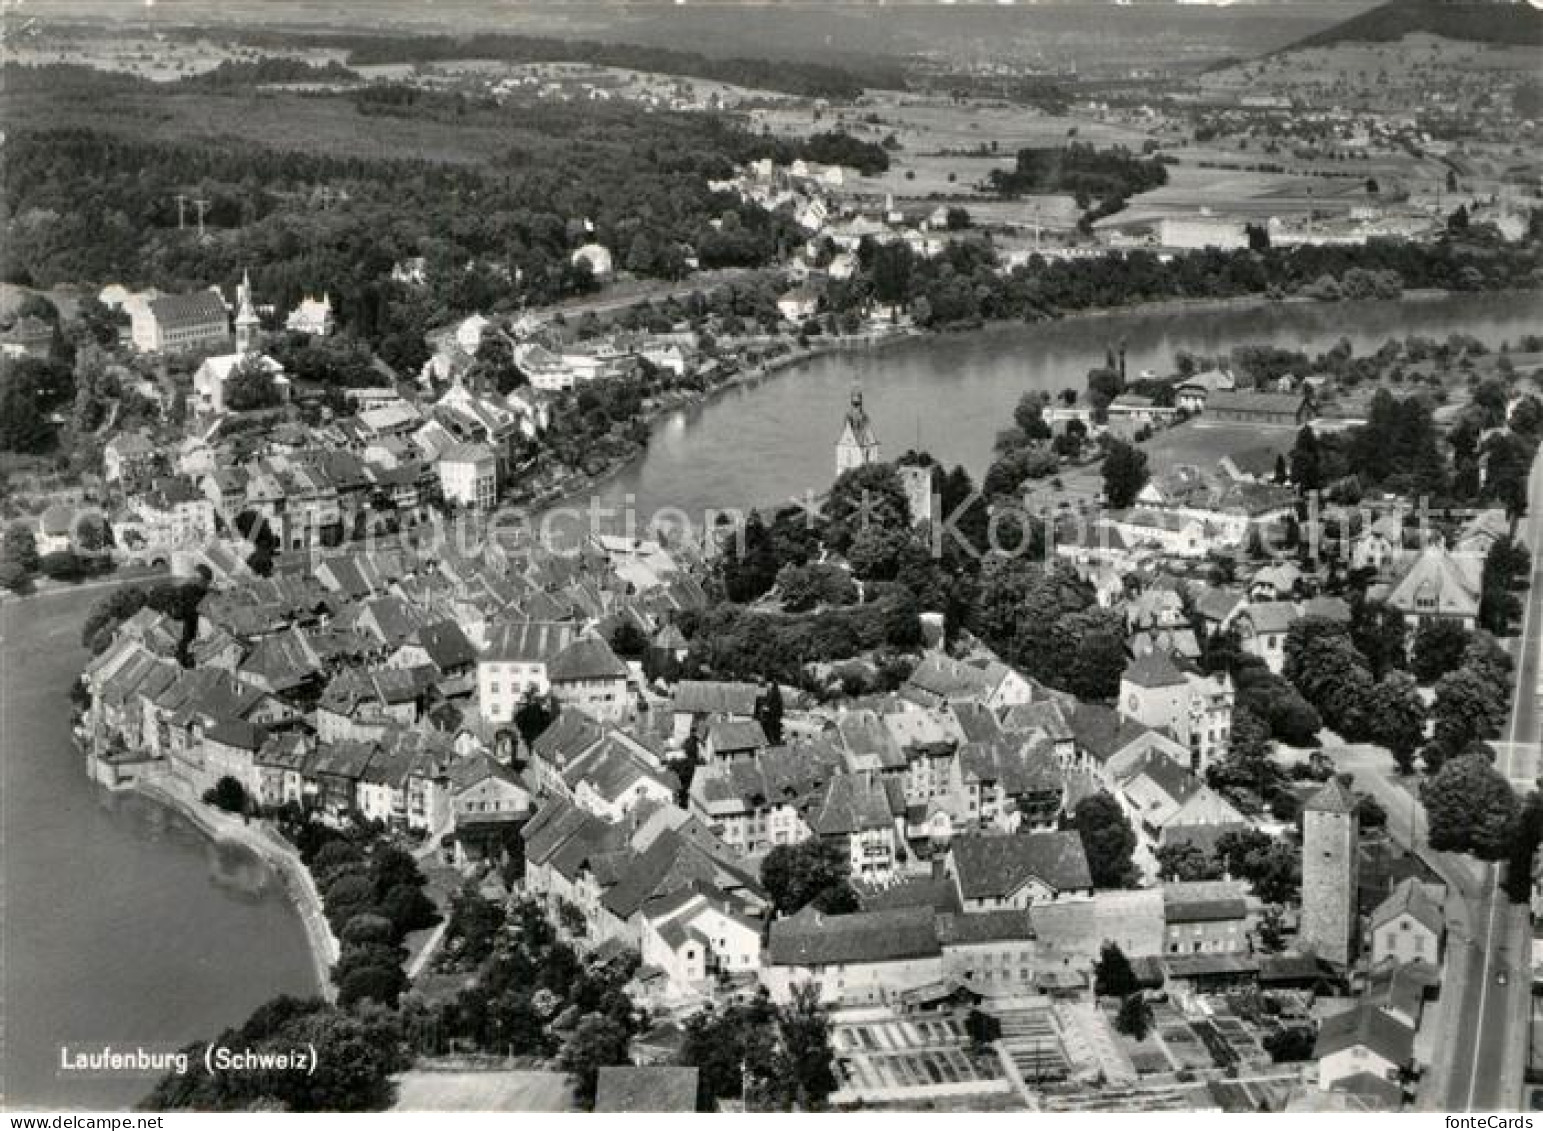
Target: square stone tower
x=1331 y=838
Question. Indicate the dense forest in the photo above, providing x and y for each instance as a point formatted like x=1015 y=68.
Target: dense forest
x=812 y=80
x=100 y=204
x=1079 y=169
x=1478 y=21
x=1100 y=180
x=269 y=70
x=965 y=285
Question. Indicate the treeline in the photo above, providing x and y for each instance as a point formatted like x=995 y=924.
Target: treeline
x=810 y=80
x=357 y=1053
x=1484 y=459
x=965 y=286
x=240 y=73
x=525 y=990
x=837 y=147
x=1079 y=168
x=373 y=896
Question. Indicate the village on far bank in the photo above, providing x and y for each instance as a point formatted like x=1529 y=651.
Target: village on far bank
x=1117 y=817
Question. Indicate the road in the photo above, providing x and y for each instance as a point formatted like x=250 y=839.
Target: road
x=1484 y=1032
x=620 y=296
x=1490 y=1035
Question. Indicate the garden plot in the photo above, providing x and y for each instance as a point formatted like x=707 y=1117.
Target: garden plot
x=904 y=1058
x=1030 y=1038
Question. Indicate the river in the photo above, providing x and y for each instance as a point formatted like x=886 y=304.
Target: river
x=122 y=924
x=766 y=442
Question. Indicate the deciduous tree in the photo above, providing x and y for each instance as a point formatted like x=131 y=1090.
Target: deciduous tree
x=596 y=1042
x=1470 y=807
x=1438 y=649
x=1107 y=839
x=1112 y=973
x=1125 y=474
x=1135 y=1017
x=812 y=871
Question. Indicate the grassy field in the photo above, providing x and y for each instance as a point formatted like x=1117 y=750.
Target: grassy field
x=1363 y=62
x=147 y=57
x=1237 y=192
x=1201 y=444
x=516 y=1090
x=939 y=138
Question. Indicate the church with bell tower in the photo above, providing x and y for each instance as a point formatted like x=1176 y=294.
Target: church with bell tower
x=215 y=376
x=857 y=446
x=247 y=322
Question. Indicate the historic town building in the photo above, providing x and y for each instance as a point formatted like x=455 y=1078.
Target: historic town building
x=858 y=445
x=1330 y=848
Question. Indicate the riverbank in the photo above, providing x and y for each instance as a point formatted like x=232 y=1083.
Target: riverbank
x=966 y=339
x=123 y=924
x=260 y=839
x=578 y=483
x=1233 y=304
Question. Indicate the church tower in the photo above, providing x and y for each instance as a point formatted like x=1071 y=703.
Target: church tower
x=858 y=445
x=246 y=317
x=1331 y=841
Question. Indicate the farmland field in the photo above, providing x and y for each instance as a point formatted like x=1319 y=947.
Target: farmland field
x=1201 y=444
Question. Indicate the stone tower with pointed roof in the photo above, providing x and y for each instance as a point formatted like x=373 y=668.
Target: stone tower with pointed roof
x=858 y=446
x=1331 y=840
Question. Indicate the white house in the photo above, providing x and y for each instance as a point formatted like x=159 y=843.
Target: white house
x=468 y=476
x=55 y=527
x=1171 y=533
x=1440 y=585
x=598 y=257
x=589 y=676
x=697 y=932
x=990 y=873
x=616 y=777
x=470 y=331
x=1196 y=709
x=1364 y=1041
x=514 y=664
x=211 y=381
x=1380 y=545
x=1262 y=627
x=866 y=958
x=798 y=304
x=1410 y=924
x=312 y=316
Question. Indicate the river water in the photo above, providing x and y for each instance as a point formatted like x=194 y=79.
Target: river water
x=122 y=924
x=768 y=442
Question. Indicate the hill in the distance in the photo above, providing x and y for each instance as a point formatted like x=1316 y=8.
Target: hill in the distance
x=1511 y=23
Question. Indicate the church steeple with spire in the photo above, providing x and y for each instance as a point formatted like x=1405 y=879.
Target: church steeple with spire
x=858 y=446
x=247 y=323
